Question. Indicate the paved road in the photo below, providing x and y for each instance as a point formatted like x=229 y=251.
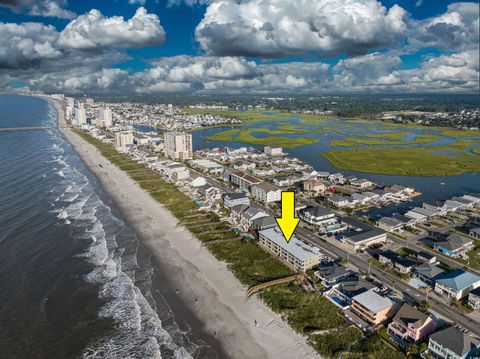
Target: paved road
x=390 y=280
x=410 y=293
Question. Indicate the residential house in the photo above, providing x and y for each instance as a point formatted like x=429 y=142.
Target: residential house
x=295 y=253
x=426 y=257
x=390 y=224
x=207 y=166
x=244 y=165
x=350 y=287
x=234 y=199
x=331 y=274
x=338 y=201
x=249 y=215
x=428 y=273
x=314 y=185
x=453 y=206
x=360 y=199
x=436 y=207
x=262 y=223
x=236 y=212
x=475 y=232
x=361 y=183
x=366 y=238
x=416 y=217
x=318 y=216
x=266 y=193
x=410 y=325
x=401 y=264
x=457 y=284
x=474 y=298
x=453 y=343
x=372 y=307
x=454 y=245
x=466 y=202
x=198 y=182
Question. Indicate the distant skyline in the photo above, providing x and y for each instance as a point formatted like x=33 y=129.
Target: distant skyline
x=148 y=47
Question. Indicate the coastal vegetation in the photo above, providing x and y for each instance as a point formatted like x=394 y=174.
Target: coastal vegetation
x=246 y=136
x=445 y=160
x=419 y=139
x=309 y=313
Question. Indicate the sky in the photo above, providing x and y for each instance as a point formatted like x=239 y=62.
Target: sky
x=145 y=47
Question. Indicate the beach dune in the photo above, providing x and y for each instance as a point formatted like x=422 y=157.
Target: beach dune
x=222 y=305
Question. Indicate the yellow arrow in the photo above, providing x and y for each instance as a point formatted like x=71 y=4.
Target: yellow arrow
x=288 y=222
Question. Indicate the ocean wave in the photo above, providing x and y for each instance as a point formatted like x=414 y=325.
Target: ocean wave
x=139 y=331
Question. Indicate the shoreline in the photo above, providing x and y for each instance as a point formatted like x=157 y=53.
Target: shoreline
x=222 y=304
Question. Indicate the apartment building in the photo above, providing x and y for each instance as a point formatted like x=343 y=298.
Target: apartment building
x=178 y=145
x=296 y=254
x=123 y=139
x=266 y=193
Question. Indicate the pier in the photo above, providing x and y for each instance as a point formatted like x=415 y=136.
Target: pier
x=11 y=129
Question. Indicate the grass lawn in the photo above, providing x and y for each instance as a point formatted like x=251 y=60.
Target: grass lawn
x=246 y=136
x=447 y=160
x=476 y=150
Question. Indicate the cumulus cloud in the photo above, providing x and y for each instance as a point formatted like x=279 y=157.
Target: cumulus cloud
x=378 y=72
x=456 y=29
x=48 y=8
x=26 y=45
x=276 y=28
x=34 y=44
x=94 y=30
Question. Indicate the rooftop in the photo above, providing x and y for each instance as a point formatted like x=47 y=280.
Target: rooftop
x=409 y=315
x=296 y=247
x=373 y=301
x=458 y=279
x=454 y=339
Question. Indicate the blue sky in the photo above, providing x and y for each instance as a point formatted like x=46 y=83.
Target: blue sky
x=239 y=46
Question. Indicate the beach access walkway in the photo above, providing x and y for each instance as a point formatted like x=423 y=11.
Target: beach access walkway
x=256 y=288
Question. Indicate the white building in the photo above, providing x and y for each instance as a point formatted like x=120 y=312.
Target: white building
x=273 y=151
x=105 y=115
x=319 y=216
x=80 y=115
x=178 y=146
x=123 y=139
x=295 y=253
x=266 y=193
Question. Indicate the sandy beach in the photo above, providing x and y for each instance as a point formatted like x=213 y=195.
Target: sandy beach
x=222 y=305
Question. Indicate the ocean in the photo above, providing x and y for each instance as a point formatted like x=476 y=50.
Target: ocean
x=75 y=281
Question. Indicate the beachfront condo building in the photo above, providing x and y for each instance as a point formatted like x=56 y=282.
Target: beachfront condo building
x=123 y=139
x=178 y=146
x=105 y=115
x=296 y=254
x=80 y=115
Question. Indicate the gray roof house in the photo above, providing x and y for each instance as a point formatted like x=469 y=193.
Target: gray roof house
x=453 y=343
